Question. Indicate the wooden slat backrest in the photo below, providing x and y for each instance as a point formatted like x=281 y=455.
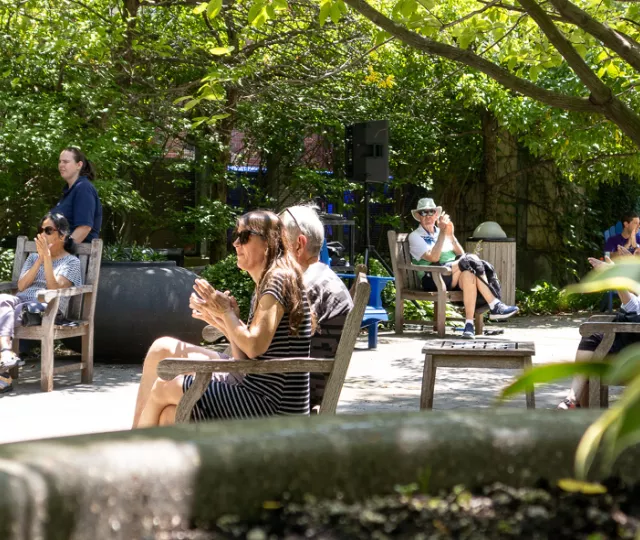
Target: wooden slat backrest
x=345 y=347
x=400 y=254
x=90 y=256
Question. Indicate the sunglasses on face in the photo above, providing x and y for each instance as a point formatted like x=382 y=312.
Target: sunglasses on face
x=46 y=230
x=243 y=236
x=423 y=213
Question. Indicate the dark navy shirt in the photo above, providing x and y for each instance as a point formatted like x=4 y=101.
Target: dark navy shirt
x=81 y=205
x=612 y=244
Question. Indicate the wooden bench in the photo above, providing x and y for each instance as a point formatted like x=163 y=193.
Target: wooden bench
x=409 y=287
x=478 y=354
x=81 y=310
x=336 y=367
x=598 y=396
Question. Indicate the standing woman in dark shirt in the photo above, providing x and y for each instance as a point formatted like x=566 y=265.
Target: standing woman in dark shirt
x=79 y=203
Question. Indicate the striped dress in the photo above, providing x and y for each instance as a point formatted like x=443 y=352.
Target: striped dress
x=264 y=394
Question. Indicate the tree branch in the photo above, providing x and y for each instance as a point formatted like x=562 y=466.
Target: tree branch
x=600 y=92
x=623 y=46
x=470 y=15
x=501 y=75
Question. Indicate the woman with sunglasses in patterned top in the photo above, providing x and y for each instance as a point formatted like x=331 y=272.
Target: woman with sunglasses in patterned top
x=53 y=267
x=279 y=326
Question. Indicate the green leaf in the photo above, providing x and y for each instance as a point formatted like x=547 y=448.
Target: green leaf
x=612 y=70
x=325 y=10
x=181 y=99
x=335 y=13
x=214 y=8
x=408 y=7
x=465 y=39
x=255 y=10
x=553 y=372
x=626 y=432
x=625 y=366
x=191 y=104
x=279 y=4
x=200 y=8
x=624 y=275
x=221 y=51
x=570 y=485
x=213 y=119
x=427 y=4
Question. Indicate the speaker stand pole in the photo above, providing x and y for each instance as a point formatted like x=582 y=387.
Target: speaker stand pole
x=369 y=249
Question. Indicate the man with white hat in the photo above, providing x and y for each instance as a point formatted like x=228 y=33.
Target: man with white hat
x=434 y=242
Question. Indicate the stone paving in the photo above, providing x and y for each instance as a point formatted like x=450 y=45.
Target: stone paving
x=387 y=379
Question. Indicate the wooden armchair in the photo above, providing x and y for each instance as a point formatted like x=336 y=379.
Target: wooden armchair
x=335 y=367
x=603 y=324
x=409 y=286
x=81 y=310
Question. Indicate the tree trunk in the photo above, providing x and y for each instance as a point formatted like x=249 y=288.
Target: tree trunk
x=490 y=140
x=218 y=246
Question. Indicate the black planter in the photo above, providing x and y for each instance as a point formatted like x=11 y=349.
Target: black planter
x=139 y=302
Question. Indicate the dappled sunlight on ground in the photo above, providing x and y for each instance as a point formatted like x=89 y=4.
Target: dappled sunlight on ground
x=386 y=379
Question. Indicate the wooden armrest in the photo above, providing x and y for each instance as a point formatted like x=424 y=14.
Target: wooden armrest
x=46 y=295
x=601 y=318
x=443 y=270
x=588 y=328
x=8 y=285
x=169 y=368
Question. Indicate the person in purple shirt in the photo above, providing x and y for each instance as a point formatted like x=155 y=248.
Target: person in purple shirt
x=627 y=241
x=79 y=203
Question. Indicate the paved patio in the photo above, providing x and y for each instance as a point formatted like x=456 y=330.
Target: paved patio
x=388 y=379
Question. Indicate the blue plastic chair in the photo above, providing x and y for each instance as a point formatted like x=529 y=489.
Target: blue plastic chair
x=612 y=231
x=324 y=254
x=374 y=312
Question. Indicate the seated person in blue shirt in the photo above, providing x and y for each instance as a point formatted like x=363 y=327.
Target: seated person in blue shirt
x=434 y=242
x=79 y=203
x=627 y=241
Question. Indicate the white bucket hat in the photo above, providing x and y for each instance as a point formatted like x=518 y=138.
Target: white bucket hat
x=425 y=204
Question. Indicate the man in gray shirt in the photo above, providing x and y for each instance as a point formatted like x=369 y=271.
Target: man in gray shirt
x=328 y=296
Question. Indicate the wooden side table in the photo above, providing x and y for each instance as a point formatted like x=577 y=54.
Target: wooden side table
x=479 y=354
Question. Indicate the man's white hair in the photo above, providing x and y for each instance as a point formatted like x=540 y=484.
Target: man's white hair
x=304 y=220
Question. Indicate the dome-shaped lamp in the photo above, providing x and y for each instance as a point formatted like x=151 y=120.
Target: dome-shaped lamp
x=489 y=229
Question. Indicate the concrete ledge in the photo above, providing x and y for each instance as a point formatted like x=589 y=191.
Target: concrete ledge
x=132 y=484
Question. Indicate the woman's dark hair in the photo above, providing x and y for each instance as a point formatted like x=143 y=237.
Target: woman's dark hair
x=278 y=261
x=88 y=169
x=64 y=229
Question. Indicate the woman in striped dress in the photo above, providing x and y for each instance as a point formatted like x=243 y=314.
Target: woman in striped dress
x=279 y=326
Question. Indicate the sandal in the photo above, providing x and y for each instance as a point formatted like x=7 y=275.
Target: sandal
x=5 y=383
x=567 y=404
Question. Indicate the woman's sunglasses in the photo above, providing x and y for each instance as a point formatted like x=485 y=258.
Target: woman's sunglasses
x=243 y=236
x=427 y=213
x=46 y=230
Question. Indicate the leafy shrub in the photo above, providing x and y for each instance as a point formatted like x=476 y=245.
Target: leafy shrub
x=545 y=299
x=6 y=264
x=226 y=276
x=134 y=253
x=618 y=427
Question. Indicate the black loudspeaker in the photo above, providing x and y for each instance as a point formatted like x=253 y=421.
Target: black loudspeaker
x=367 y=151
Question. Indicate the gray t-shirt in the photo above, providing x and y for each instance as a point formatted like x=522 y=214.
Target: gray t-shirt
x=67 y=266
x=330 y=302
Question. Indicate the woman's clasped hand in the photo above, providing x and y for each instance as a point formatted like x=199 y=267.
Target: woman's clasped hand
x=210 y=305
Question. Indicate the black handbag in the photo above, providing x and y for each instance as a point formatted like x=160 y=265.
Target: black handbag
x=31 y=314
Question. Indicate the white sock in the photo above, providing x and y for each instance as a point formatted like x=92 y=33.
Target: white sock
x=494 y=303
x=468 y=321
